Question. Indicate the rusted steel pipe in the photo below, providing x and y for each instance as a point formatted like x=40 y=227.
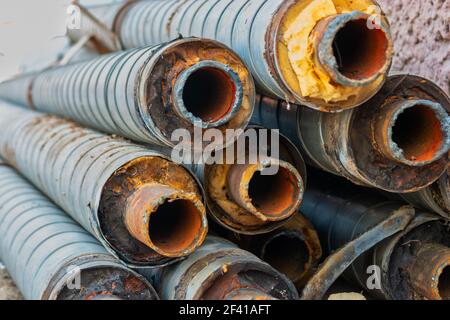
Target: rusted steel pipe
x=219 y=270
x=435 y=198
x=346 y=63
x=122 y=193
x=241 y=198
x=330 y=55
x=50 y=257
x=412 y=263
x=146 y=94
x=293 y=249
x=398 y=141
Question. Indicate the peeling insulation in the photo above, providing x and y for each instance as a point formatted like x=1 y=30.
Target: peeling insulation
x=305 y=74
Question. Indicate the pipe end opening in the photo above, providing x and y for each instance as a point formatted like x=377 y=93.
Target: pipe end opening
x=444 y=284
x=275 y=195
x=208 y=94
x=359 y=51
x=288 y=253
x=176 y=227
x=419 y=135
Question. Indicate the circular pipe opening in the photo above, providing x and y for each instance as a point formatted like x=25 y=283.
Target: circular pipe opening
x=360 y=52
x=417 y=132
x=444 y=284
x=287 y=253
x=176 y=226
x=274 y=195
x=208 y=94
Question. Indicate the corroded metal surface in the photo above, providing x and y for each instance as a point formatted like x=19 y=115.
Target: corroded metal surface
x=132 y=93
x=219 y=271
x=293 y=249
x=339 y=261
x=91 y=176
x=43 y=249
x=285 y=192
x=254 y=29
x=344 y=144
x=435 y=198
x=347 y=219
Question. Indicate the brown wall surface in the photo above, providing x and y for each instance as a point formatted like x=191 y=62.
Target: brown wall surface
x=421 y=31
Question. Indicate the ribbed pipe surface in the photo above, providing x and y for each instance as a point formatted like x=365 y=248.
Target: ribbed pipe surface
x=40 y=245
x=133 y=93
x=71 y=165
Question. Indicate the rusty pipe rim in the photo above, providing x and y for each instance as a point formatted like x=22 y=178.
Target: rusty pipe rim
x=441 y=280
x=223 y=100
x=242 y=294
x=415 y=132
x=169 y=221
x=92 y=267
x=375 y=54
x=103 y=297
x=430 y=272
x=245 y=182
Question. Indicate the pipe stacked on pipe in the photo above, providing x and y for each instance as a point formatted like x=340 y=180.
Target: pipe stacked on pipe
x=145 y=94
x=413 y=264
x=245 y=200
x=299 y=50
x=398 y=141
x=219 y=270
x=141 y=206
x=50 y=257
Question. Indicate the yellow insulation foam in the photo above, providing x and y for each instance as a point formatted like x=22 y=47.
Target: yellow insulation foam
x=313 y=81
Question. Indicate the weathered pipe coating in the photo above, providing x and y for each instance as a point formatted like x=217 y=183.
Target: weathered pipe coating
x=145 y=94
x=435 y=198
x=398 y=141
x=240 y=198
x=142 y=207
x=101 y=37
x=351 y=57
x=293 y=249
x=43 y=250
x=219 y=270
x=414 y=263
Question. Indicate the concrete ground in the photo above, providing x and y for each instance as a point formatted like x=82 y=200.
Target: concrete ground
x=8 y=290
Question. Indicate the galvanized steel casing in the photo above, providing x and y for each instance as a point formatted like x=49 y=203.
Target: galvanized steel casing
x=177 y=283
x=102 y=156
x=68 y=248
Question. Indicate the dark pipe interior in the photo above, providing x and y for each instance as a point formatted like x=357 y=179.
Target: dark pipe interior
x=444 y=284
x=417 y=131
x=175 y=226
x=274 y=194
x=209 y=94
x=288 y=254
x=359 y=51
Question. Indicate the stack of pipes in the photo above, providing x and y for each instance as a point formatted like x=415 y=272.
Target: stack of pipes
x=95 y=198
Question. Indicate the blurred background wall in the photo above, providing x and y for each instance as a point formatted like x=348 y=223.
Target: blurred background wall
x=421 y=30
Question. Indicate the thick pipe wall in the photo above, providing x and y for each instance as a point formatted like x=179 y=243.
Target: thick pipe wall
x=288 y=184
x=435 y=198
x=92 y=176
x=222 y=272
x=344 y=143
x=133 y=93
x=258 y=31
x=43 y=248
